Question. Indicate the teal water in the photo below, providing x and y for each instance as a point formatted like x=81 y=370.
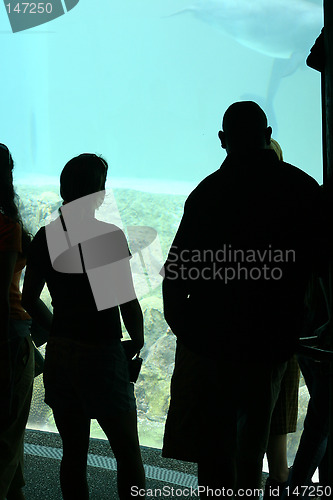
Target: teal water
x=148 y=91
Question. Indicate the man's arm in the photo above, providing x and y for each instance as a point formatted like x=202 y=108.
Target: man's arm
x=175 y=285
x=175 y=305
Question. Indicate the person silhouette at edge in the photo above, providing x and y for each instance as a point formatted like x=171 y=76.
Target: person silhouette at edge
x=233 y=295
x=16 y=348
x=86 y=366
x=284 y=416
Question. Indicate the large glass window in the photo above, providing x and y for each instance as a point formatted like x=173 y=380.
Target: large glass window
x=146 y=85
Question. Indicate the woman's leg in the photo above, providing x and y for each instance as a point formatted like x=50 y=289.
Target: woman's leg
x=313 y=441
x=277 y=458
x=122 y=434
x=12 y=434
x=74 y=430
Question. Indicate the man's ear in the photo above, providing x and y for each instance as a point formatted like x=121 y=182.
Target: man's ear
x=268 y=134
x=221 y=135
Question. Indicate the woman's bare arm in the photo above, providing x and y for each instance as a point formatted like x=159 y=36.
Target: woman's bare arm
x=7 y=265
x=133 y=321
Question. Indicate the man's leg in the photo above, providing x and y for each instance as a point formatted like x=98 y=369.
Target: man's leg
x=259 y=392
x=218 y=439
x=217 y=468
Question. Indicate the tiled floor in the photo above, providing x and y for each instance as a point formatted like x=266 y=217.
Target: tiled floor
x=166 y=478
x=42 y=461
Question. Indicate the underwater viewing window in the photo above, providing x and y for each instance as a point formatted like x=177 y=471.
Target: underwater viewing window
x=146 y=84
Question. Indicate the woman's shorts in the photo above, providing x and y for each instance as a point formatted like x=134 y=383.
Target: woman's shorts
x=92 y=380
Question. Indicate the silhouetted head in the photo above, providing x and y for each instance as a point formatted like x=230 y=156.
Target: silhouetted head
x=6 y=163
x=83 y=175
x=244 y=128
x=8 y=198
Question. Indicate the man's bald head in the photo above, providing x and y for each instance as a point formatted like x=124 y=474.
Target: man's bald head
x=244 y=127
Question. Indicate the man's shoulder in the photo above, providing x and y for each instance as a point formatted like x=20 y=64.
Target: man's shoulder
x=282 y=169
x=298 y=175
x=231 y=173
x=205 y=187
